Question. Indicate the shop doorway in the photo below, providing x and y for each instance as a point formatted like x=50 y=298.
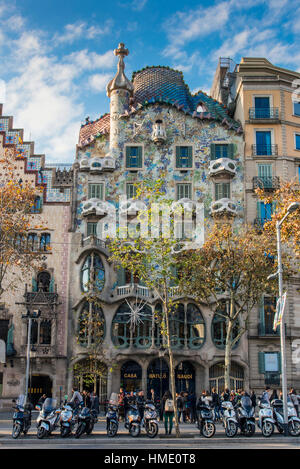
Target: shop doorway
x=185 y=377
x=157 y=378
x=131 y=376
x=39 y=385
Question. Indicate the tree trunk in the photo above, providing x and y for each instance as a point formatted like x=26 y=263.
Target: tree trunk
x=172 y=374
x=227 y=358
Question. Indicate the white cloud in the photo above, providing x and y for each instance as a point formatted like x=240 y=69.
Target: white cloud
x=99 y=81
x=86 y=60
x=78 y=30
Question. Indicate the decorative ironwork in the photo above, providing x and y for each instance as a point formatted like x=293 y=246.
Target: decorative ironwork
x=270 y=113
x=267 y=182
x=265 y=150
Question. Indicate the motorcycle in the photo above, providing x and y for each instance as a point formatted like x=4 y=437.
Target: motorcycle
x=86 y=421
x=293 y=420
x=245 y=416
x=205 y=421
x=230 y=422
x=67 y=420
x=21 y=417
x=112 y=420
x=48 y=418
x=265 y=418
x=150 y=420
x=133 y=420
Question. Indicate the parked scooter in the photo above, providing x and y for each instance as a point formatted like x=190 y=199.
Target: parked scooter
x=112 y=419
x=245 y=416
x=133 y=420
x=293 y=420
x=48 y=418
x=67 y=420
x=150 y=420
x=86 y=421
x=205 y=419
x=230 y=422
x=21 y=417
x=266 y=421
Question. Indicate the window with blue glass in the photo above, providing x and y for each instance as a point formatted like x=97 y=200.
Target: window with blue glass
x=134 y=157
x=92 y=273
x=184 y=157
x=37 y=205
x=263 y=143
x=264 y=212
x=222 y=150
x=45 y=242
x=262 y=107
x=296 y=106
x=297 y=141
x=91 y=324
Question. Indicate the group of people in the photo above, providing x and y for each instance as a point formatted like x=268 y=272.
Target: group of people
x=187 y=403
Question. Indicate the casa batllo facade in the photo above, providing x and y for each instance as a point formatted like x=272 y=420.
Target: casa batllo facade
x=155 y=129
x=45 y=289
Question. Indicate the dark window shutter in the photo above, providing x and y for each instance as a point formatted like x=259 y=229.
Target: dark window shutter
x=140 y=157
x=261 y=362
x=190 y=157
x=178 y=159
x=121 y=276
x=231 y=150
x=213 y=151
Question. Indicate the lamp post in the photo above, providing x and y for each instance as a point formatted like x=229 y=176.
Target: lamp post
x=30 y=315
x=292 y=208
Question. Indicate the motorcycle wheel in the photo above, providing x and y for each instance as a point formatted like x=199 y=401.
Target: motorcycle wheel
x=134 y=430
x=208 y=429
x=231 y=429
x=152 y=429
x=16 y=431
x=112 y=429
x=267 y=429
x=79 y=430
x=64 y=432
x=90 y=429
x=41 y=432
x=294 y=428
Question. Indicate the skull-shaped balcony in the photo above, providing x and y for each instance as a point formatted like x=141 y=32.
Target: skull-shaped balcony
x=131 y=208
x=222 y=167
x=96 y=207
x=223 y=207
x=97 y=165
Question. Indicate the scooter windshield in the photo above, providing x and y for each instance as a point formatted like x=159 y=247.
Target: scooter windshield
x=49 y=404
x=246 y=403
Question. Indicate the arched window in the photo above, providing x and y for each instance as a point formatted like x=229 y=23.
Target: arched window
x=91 y=324
x=195 y=327
x=45 y=242
x=141 y=334
x=92 y=272
x=43 y=281
x=219 y=328
x=216 y=377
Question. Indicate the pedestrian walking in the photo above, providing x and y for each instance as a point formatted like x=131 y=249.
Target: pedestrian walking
x=95 y=405
x=215 y=403
x=179 y=406
x=168 y=415
x=253 y=399
x=294 y=399
x=193 y=400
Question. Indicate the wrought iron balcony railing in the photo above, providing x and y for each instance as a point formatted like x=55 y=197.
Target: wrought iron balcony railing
x=269 y=113
x=260 y=222
x=267 y=330
x=264 y=150
x=92 y=240
x=267 y=182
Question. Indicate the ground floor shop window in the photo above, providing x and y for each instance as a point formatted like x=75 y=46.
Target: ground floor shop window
x=185 y=377
x=157 y=378
x=91 y=375
x=131 y=376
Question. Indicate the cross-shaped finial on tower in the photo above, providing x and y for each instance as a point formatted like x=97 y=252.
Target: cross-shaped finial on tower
x=121 y=50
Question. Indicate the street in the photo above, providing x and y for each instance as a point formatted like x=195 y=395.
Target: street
x=190 y=439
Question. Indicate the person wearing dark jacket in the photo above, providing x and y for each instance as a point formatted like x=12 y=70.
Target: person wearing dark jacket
x=253 y=398
x=140 y=401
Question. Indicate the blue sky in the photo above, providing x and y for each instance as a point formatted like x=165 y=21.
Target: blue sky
x=57 y=56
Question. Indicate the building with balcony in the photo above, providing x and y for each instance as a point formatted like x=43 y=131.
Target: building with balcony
x=155 y=129
x=264 y=99
x=44 y=289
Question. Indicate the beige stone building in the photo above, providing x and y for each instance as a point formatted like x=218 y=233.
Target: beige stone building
x=46 y=288
x=265 y=99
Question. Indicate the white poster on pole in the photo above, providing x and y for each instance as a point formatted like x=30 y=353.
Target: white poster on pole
x=2 y=351
x=279 y=311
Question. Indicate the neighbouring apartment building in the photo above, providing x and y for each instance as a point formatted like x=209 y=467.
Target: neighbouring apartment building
x=265 y=100
x=44 y=290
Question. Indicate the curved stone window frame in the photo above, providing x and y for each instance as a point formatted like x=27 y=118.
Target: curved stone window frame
x=85 y=271
x=122 y=336
x=83 y=341
x=220 y=343
x=182 y=326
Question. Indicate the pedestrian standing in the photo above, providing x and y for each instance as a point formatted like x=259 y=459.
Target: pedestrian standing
x=294 y=399
x=179 y=406
x=168 y=406
x=215 y=403
x=193 y=400
x=95 y=403
x=253 y=398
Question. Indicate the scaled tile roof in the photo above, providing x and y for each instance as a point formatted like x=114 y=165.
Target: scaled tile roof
x=163 y=85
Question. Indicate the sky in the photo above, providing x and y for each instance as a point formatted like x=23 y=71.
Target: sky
x=57 y=56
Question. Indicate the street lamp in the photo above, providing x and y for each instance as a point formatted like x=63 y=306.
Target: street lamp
x=292 y=208
x=29 y=315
